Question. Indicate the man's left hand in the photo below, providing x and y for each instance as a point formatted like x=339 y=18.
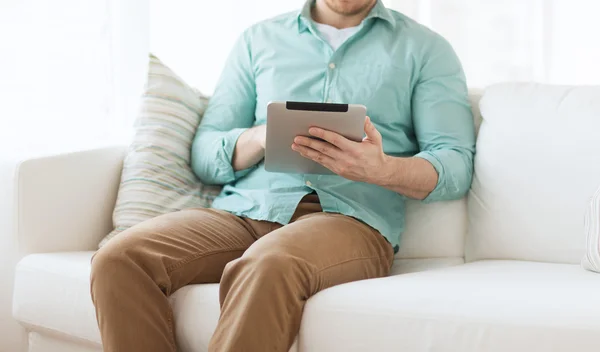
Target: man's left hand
x=356 y=161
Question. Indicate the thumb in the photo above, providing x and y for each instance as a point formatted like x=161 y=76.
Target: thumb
x=371 y=131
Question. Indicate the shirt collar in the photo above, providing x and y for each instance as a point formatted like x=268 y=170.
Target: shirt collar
x=378 y=11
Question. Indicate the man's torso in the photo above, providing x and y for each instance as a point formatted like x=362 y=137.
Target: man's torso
x=378 y=66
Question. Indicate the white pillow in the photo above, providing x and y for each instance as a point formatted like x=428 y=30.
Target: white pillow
x=591 y=260
x=157 y=177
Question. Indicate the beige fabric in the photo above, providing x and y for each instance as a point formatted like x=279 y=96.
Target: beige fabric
x=157 y=177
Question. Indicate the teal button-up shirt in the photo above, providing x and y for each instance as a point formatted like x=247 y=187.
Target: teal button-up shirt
x=407 y=76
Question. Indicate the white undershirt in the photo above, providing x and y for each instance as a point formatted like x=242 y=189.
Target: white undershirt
x=335 y=37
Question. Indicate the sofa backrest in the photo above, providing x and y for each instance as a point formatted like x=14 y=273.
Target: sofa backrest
x=536 y=166
x=437 y=230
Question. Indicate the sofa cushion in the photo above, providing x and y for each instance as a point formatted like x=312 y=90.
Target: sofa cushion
x=491 y=306
x=52 y=294
x=537 y=164
x=591 y=259
x=157 y=177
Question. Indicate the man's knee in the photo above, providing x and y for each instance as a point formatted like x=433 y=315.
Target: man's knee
x=268 y=266
x=108 y=262
x=116 y=261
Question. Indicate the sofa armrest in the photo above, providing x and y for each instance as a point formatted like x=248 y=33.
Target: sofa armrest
x=65 y=202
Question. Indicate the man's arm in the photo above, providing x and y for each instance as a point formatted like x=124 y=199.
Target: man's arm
x=225 y=146
x=413 y=177
x=250 y=148
x=366 y=162
x=443 y=124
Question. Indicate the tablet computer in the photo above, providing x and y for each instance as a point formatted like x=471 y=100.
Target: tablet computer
x=286 y=120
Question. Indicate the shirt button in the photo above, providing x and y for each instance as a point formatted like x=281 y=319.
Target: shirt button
x=309 y=184
x=332 y=65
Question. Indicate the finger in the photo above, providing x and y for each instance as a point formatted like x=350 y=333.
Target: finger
x=323 y=147
x=371 y=131
x=332 y=137
x=314 y=155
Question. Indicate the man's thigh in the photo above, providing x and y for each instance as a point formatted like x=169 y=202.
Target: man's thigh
x=186 y=247
x=337 y=248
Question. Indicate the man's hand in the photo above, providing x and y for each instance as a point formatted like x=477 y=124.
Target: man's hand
x=250 y=148
x=356 y=161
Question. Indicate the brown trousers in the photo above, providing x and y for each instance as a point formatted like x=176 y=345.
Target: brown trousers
x=267 y=272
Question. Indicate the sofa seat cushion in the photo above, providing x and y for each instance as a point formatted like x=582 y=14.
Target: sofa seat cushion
x=492 y=306
x=52 y=294
x=480 y=306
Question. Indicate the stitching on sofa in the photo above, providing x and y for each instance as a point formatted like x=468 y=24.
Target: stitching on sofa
x=196 y=256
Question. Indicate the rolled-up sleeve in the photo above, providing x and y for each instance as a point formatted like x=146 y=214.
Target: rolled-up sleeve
x=230 y=112
x=443 y=121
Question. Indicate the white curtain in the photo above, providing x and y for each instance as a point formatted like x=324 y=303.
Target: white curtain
x=552 y=41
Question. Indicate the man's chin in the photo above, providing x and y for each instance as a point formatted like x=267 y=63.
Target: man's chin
x=347 y=7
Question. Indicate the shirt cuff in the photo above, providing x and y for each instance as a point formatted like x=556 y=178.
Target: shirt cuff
x=439 y=191
x=225 y=156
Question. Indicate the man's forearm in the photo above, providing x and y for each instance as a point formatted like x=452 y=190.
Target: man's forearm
x=412 y=177
x=249 y=149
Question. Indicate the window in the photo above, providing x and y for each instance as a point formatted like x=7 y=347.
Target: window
x=71 y=72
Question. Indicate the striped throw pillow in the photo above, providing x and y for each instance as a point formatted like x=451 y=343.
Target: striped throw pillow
x=591 y=260
x=156 y=177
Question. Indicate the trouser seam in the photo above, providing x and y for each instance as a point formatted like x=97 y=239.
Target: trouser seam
x=171 y=330
x=347 y=261
x=196 y=256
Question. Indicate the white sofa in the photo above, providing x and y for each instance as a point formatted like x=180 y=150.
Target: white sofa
x=519 y=232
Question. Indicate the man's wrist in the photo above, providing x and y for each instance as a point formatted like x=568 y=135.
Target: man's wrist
x=258 y=137
x=385 y=175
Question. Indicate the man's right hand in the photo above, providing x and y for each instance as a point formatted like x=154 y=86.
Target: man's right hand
x=250 y=148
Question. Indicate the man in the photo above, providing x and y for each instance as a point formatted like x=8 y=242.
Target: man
x=273 y=240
